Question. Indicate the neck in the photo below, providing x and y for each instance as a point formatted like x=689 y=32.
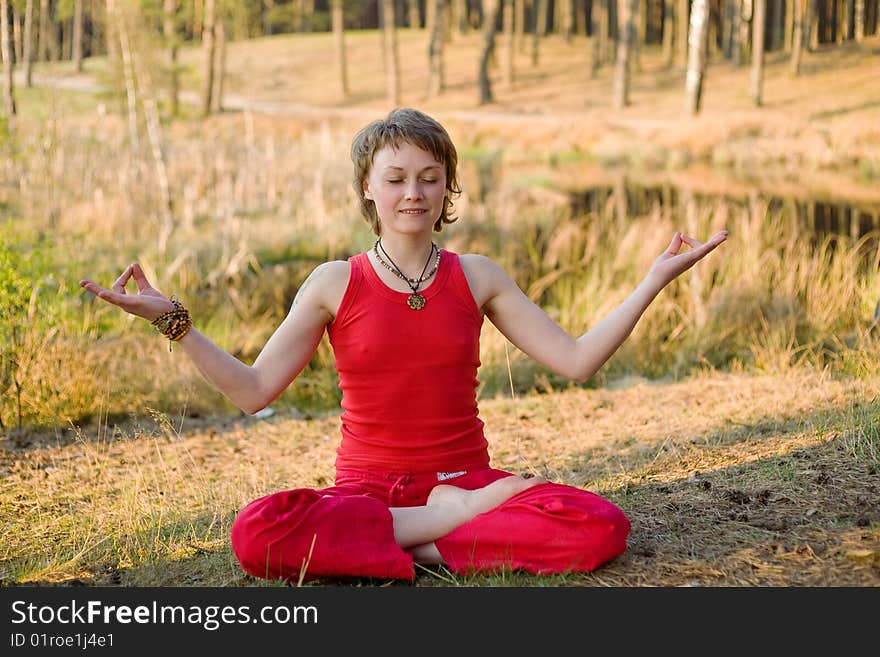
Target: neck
x=408 y=253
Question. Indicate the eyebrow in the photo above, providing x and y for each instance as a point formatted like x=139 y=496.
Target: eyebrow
x=433 y=166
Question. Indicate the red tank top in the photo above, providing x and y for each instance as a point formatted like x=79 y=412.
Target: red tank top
x=408 y=377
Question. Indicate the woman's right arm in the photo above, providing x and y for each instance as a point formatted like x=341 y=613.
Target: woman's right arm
x=285 y=354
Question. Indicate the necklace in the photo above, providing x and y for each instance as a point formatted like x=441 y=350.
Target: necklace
x=415 y=300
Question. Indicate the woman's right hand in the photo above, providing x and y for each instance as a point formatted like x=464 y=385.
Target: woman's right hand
x=148 y=303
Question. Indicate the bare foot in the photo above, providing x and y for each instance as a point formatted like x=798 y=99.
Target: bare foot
x=466 y=504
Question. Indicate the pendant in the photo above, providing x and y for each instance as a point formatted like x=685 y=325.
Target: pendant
x=415 y=301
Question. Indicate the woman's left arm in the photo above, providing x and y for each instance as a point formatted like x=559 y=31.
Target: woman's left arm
x=535 y=333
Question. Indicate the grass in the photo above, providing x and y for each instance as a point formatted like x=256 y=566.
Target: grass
x=737 y=427
x=729 y=480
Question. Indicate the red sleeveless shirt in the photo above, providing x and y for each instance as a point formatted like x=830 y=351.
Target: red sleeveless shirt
x=408 y=377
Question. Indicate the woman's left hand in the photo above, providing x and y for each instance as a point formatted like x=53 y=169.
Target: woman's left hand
x=671 y=263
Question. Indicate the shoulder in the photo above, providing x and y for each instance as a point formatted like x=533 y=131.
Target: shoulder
x=481 y=267
x=325 y=286
x=485 y=277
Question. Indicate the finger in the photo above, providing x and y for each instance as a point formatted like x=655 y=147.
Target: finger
x=119 y=285
x=675 y=244
x=139 y=277
x=102 y=292
x=690 y=241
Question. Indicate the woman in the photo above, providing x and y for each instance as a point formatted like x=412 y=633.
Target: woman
x=413 y=478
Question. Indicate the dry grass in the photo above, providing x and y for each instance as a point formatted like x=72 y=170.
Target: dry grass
x=765 y=475
x=729 y=480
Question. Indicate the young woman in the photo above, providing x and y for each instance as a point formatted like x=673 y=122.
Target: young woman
x=413 y=478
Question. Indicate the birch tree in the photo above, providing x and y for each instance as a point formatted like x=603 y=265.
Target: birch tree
x=490 y=17
x=393 y=71
x=77 y=49
x=797 y=39
x=169 y=32
x=27 y=48
x=508 y=41
x=338 y=20
x=697 y=47
x=208 y=48
x=757 y=78
x=436 y=82
x=6 y=47
x=627 y=12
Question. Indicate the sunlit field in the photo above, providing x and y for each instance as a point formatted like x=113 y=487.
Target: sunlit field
x=737 y=426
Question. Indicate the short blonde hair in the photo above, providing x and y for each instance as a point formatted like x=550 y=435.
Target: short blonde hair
x=413 y=127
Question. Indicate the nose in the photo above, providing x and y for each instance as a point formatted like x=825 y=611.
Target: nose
x=413 y=190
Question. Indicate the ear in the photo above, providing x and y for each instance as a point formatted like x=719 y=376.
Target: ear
x=367 y=194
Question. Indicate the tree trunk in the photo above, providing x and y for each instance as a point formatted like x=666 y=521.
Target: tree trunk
x=757 y=78
x=415 y=19
x=596 y=47
x=208 y=54
x=521 y=25
x=668 y=31
x=681 y=41
x=459 y=21
x=860 y=20
x=169 y=31
x=338 y=11
x=604 y=30
x=43 y=49
x=16 y=34
x=77 y=50
x=746 y=11
x=797 y=38
x=491 y=8
x=219 y=62
x=626 y=31
x=114 y=14
x=540 y=27
x=567 y=22
x=6 y=48
x=27 y=47
x=736 y=41
x=697 y=48
x=789 y=24
x=508 y=42
x=392 y=74
x=435 y=49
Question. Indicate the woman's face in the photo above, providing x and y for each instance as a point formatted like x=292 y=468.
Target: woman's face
x=408 y=187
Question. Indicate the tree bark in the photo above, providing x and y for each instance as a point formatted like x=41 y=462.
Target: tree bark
x=338 y=11
x=508 y=42
x=6 y=48
x=208 y=48
x=491 y=8
x=797 y=37
x=435 y=49
x=219 y=61
x=169 y=32
x=43 y=49
x=595 y=43
x=540 y=27
x=681 y=18
x=415 y=18
x=697 y=47
x=77 y=50
x=626 y=30
x=392 y=74
x=860 y=20
x=668 y=31
x=27 y=47
x=757 y=77
x=16 y=34
x=746 y=12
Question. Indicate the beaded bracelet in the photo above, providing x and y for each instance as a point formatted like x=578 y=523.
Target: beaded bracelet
x=173 y=324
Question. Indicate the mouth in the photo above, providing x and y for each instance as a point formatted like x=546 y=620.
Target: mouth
x=413 y=211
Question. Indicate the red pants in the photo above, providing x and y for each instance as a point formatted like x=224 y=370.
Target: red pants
x=346 y=530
